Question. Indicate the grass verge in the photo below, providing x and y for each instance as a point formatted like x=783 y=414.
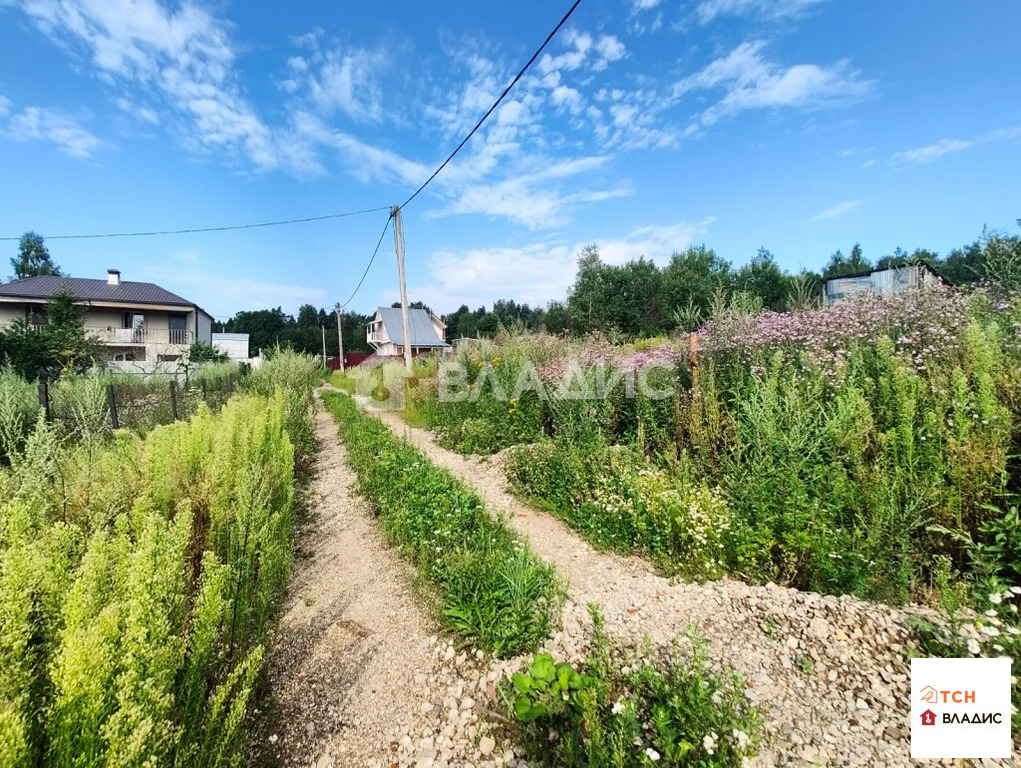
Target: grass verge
x=492 y=589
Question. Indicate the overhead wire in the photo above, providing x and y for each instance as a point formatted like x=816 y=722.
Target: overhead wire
x=194 y=230
x=372 y=258
x=517 y=77
x=386 y=226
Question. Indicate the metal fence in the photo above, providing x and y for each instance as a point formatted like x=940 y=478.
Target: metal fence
x=143 y=405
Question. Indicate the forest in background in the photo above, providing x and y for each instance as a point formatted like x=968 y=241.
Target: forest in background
x=641 y=298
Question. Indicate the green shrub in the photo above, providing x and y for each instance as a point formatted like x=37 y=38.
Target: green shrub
x=298 y=375
x=19 y=408
x=621 y=708
x=492 y=589
x=137 y=583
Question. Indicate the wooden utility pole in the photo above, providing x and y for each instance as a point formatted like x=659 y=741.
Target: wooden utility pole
x=323 y=329
x=405 y=318
x=340 y=336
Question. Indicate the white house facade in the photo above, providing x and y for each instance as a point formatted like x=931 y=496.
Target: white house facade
x=385 y=332
x=135 y=323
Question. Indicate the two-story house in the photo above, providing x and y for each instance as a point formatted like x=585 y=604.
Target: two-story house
x=385 y=333
x=134 y=322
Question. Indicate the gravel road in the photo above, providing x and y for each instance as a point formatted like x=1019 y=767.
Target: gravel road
x=831 y=674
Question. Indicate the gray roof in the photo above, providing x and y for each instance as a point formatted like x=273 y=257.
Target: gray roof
x=89 y=289
x=422 y=332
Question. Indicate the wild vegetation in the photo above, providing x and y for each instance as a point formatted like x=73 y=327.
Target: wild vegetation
x=139 y=575
x=866 y=448
x=491 y=589
x=625 y=707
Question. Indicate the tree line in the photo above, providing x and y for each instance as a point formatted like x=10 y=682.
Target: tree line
x=638 y=298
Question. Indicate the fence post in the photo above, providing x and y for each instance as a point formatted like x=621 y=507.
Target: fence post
x=44 y=398
x=111 y=401
x=230 y=385
x=205 y=398
x=173 y=399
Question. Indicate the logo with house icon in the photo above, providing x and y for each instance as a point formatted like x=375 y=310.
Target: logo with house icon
x=929 y=694
x=928 y=717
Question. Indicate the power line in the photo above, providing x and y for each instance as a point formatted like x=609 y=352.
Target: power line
x=211 y=229
x=496 y=103
x=371 y=259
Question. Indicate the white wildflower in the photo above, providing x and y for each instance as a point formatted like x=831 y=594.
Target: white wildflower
x=995 y=598
x=652 y=754
x=740 y=738
x=973 y=647
x=618 y=707
x=709 y=743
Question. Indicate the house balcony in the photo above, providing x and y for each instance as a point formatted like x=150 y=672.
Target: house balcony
x=141 y=337
x=377 y=337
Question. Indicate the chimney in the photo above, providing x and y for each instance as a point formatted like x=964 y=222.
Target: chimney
x=113 y=277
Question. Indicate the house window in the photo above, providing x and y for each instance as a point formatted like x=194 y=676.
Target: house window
x=124 y=357
x=37 y=314
x=133 y=320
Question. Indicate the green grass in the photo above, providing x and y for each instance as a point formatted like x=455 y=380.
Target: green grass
x=492 y=590
x=344 y=381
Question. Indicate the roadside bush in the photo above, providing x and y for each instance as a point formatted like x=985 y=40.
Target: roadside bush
x=137 y=583
x=19 y=409
x=623 y=708
x=492 y=589
x=298 y=375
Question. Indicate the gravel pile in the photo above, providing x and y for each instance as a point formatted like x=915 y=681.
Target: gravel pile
x=831 y=674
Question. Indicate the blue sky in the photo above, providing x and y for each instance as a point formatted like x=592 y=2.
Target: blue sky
x=649 y=125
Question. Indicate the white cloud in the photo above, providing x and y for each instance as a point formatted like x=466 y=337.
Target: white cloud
x=5 y=105
x=345 y=80
x=136 y=110
x=567 y=97
x=39 y=124
x=541 y=271
x=838 y=210
x=930 y=152
x=182 y=56
x=750 y=81
x=537 y=199
x=610 y=49
x=365 y=161
x=644 y=5
x=769 y=9
x=606 y=50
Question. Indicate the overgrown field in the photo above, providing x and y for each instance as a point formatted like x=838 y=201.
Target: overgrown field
x=868 y=448
x=139 y=576
x=492 y=590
